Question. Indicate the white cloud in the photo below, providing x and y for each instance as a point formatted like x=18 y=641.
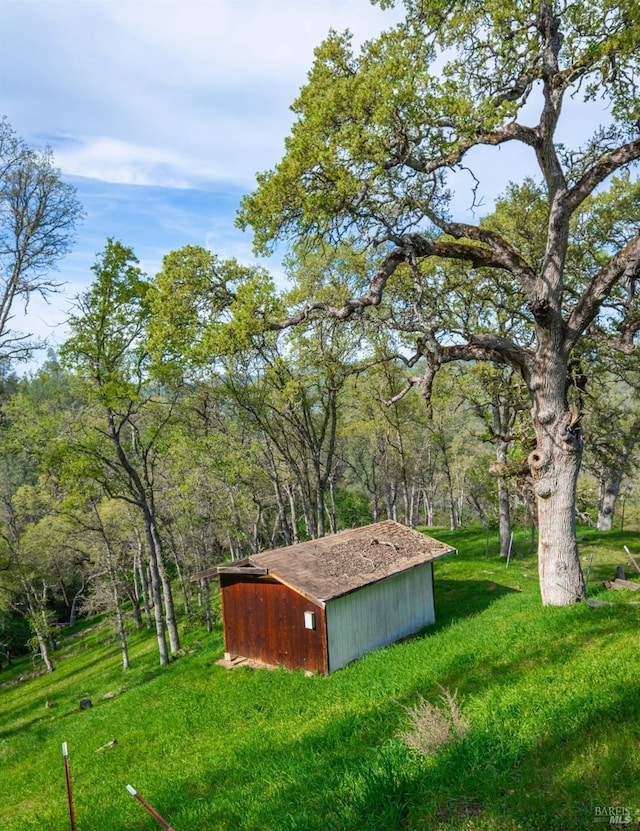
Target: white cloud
x=168 y=92
x=120 y=162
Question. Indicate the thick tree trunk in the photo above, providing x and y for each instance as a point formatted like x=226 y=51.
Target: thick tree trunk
x=555 y=464
x=608 y=490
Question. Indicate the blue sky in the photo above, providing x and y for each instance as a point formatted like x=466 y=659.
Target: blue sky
x=161 y=112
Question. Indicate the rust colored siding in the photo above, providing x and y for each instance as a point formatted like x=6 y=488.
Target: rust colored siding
x=264 y=620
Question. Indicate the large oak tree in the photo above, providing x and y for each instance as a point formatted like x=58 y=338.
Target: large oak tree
x=383 y=136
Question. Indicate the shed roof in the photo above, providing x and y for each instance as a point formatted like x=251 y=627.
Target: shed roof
x=341 y=563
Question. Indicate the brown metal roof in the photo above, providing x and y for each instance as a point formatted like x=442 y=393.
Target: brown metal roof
x=338 y=564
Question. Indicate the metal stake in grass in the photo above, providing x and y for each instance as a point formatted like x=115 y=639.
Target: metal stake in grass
x=65 y=754
x=510 y=549
x=151 y=810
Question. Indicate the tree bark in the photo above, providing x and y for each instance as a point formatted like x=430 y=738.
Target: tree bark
x=555 y=464
x=502 y=416
x=37 y=617
x=167 y=593
x=138 y=566
x=331 y=511
x=117 y=605
x=608 y=490
x=504 y=517
x=280 y=503
x=293 y=513
x=451 y=498
x=74 y=605
x=427 y=501
x=43 y=648
x=156 y=597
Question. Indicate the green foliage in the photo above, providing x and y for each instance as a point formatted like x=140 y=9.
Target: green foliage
x=14 y=636
x=415 y=99
x=106 y=347
x=352 y=509
x=205 y=309
x=599 y=38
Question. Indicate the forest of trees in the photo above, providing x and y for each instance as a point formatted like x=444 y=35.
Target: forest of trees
x=417 y=368
x=129 y=466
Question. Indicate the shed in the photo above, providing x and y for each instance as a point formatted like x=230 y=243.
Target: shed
x=320 y=604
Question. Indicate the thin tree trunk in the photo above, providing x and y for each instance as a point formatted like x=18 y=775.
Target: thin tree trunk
x=293 y=513
x=333 y=522
x=405 y=500
x=167 y=593
x=320 y=508
x=451 y=499
x=43 y=648
x=280 y=505
x=144 y=583
x=156 y=596
x=122 y=631
x=132 y=593
x=183 y=583
x=309 y=524
x=74 y=605
x=427 y=501
x=204 y=584
x=504 y=508
x=37 y=619
x=373 y=490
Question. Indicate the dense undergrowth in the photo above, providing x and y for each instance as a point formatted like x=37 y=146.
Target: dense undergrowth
x=550 y=697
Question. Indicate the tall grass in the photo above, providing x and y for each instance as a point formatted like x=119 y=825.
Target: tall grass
x=550 y=697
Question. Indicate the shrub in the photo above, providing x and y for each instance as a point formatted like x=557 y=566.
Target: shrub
x=433 y=726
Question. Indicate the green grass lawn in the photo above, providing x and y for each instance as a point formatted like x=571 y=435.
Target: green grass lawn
x=551 y=697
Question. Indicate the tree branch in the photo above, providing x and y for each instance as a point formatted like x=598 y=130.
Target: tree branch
x=626 y=263
x=512 y=132
x=506 y=257
x=586 y=185
x=493 y=253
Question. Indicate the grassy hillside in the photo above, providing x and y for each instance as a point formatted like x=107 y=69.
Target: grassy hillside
x=551 y=697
